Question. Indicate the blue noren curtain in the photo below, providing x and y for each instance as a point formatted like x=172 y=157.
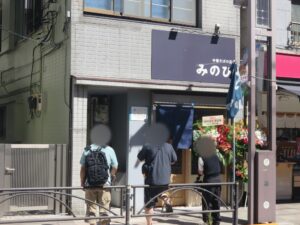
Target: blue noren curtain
x=179 y=120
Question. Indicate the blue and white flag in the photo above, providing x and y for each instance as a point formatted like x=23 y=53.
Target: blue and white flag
x=235 y=95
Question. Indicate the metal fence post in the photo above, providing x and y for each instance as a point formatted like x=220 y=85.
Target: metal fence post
x=127 y=216
x=2 y=182
x=5 y=176
x=236 y=204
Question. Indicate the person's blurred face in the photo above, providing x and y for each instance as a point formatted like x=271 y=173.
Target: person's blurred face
x=100 y=135
x=205 y=146
x=156 y=134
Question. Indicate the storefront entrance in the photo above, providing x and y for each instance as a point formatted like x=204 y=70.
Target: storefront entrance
x=180 y=120
x=114 y=108
x=110 y=109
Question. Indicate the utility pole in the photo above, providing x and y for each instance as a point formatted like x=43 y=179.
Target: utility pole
x=252 y=106
x=262 y=179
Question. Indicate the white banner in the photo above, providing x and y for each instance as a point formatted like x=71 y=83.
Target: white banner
x=212 y=120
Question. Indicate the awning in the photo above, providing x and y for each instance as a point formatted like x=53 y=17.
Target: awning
x=290 y=88
x=287 y=66
x=150 y=84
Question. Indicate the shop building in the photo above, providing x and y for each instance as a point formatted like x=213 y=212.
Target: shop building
x=288 y=125
x=141 y=66
x=117 y=65
x=288 y=104
x=288 y=92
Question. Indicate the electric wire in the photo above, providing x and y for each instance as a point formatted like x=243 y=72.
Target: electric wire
x=48 y=22
x=277 y=81
x=21 y=36
x=49 y=19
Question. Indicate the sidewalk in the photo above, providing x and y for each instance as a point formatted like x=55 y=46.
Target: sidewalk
x=286 y=214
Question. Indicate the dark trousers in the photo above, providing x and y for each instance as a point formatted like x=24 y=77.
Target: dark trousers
x=210 y=202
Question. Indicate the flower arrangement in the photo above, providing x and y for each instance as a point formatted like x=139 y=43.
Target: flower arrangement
x=223 y=135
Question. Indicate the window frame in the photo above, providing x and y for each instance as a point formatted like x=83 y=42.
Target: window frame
x=23 y=17
x=150 y=18
x=102 y=11
x=269 y=15
x=295 y=16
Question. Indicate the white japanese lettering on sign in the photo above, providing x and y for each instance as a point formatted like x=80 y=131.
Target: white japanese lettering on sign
x=214 y=69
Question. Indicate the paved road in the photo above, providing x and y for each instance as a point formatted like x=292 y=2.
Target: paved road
x=286 y=214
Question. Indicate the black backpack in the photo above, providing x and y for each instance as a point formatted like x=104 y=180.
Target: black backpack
x=96 y=168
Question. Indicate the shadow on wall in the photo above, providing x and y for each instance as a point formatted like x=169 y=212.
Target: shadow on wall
x=138 y=139
x=154 y=134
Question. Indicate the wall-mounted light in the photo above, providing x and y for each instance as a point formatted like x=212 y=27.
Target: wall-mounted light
x=217 y=29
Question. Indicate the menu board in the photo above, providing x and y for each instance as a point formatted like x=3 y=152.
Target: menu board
x=288 y=151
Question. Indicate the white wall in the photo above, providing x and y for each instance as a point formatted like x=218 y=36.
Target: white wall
x=136 y=141
x=79 y=141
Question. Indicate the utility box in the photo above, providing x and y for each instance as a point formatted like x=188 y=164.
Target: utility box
x=265 y=187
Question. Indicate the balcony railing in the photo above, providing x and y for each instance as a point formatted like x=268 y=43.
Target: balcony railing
x=294 y=34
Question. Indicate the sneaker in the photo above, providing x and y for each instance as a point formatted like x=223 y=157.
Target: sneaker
x=216 y=223
x=169 y=208
x=104 y=222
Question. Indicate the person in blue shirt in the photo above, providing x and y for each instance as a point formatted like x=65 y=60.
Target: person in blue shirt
x=97 y=194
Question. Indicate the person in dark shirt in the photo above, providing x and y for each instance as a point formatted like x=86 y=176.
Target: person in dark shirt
x=157 y=170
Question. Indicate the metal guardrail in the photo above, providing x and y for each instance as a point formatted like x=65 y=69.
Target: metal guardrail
x=130 y=194
x=51 y=192
x=197 y=188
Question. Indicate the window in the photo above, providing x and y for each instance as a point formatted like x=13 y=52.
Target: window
x=263 y=13
x=2 y=122
x=29 y=15
x=174 y=11
x=156 y=9
x=109 y=5
x=184 y=11
x=296 y=11
x=294 y=27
